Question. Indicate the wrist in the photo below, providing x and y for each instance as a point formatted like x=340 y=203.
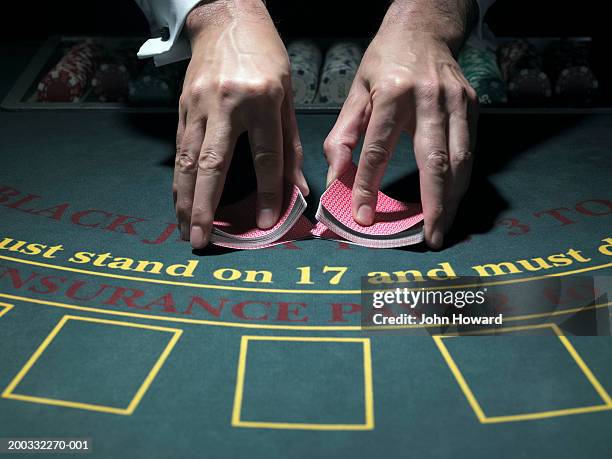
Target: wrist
x=217 y=14
x=446 y=21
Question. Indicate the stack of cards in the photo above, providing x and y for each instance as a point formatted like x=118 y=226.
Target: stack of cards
x=396 y=224
x=235 y=226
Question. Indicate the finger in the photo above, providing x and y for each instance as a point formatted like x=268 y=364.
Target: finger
x=213 y=163
x=345 y=135
x=265 y=135
x=382 y=135
x=292 y=146
x=180 y=131
x=186 y=172
x=472 y=106
x=459 y=149
x=431 y=151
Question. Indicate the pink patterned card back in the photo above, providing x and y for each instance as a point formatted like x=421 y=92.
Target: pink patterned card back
x=391 y=216
x=239 y=219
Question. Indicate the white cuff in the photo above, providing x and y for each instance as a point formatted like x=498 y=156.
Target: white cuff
x=170 y=15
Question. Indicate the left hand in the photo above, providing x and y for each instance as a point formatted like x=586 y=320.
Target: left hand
x=408 y=81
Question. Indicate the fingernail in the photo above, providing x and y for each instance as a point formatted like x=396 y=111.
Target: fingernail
x=365 y=215
x=265 y=218
x=197 y=237
x=184 y=230
x=437 y=239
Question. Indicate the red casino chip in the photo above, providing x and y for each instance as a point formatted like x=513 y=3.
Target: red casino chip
x=60 y=85
x=530 y=84
x=111 y=82
x=68 y=80
x=576 y=83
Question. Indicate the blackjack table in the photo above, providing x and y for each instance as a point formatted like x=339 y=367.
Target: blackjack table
x=114 y=332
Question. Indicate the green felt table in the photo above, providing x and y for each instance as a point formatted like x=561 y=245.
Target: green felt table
x=261 y=353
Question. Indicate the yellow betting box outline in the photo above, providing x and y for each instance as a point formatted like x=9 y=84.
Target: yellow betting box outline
x=368 y=386
x=484 y=419
x=8 y=392
x=5 y=308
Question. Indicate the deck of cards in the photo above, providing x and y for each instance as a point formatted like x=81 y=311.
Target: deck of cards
x=396 y=224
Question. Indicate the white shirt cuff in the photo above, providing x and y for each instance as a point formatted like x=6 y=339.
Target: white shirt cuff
x=170 y=15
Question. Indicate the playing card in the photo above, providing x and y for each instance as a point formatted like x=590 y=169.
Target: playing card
x=235 y=225
x=395 y=223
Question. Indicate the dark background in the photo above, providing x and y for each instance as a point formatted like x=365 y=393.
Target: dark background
x=25 y=20
x=328 y=18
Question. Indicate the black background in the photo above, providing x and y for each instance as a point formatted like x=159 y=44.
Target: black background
x=38 y=19
x=329 y=18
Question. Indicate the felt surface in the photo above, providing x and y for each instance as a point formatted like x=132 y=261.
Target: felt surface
x=100 y=183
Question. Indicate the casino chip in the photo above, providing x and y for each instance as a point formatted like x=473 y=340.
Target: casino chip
x=482 y=72
x=305 y=58
x=68 y=80
x=521 y=68
x=155 y=86
x=341 y=64
x=567 y=63
x=111 y=80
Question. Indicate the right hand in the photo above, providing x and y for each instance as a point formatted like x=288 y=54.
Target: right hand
x=238 y=80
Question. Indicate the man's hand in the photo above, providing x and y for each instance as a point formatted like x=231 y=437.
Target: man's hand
x=409 y=81
x=238 y=81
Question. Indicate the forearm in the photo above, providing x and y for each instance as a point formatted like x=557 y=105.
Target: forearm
x=450 y=21
x=218 y=13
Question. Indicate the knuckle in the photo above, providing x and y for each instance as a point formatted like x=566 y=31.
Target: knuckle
x=472 y=96
x=262 y=88
x=394 y=85
x=194 y=93
x=461 y=157
x=226 y=87
x=275 y=91
x=377 y=155
x=329 y=145
x=265 y=160
x=437 y=162
x=266 y=89
x=211 y=162
x=186 y=163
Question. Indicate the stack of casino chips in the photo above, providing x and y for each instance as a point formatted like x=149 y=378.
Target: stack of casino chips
x=339 y=69
x=481 y=70
x=567 y=64
x=305 y=57
x=68 y=80
x=154 y=86
x=521 y=68
x=111 y=80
